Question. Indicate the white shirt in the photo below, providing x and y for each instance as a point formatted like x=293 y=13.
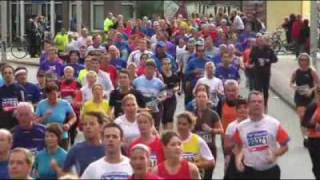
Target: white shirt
x=238 y=23
x=130 y=130
x=215 y=84
x=101 y=169
x=259 y=139
x=134 y=56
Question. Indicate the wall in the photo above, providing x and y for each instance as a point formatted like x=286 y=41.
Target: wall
x=278 y=10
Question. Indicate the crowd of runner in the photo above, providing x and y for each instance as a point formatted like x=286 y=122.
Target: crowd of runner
x=104 y=106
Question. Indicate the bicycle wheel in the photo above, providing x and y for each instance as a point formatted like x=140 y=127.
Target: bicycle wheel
x=19 y=50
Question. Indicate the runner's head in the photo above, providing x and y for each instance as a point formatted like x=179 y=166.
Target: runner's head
x=68 y=72
x=129 y=105
x=242 y=109
x=172 y=145
x=256 y=103
x=145 y=123
x=92 y=123
x=150 y=69
x=112 y=138
x=231 y=89
x=304 y=60
x=24 y=114
x=202 y=99
x=140 y=159
x=5 y=141
x=185 y=122
x=21 y=74
x=7 y=73
x=20 y=163
x=210 y=69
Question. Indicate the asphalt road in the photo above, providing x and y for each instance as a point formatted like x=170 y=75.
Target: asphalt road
x=295 y=164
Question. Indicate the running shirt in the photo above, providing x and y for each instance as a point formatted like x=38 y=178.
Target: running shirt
x=91 y=106
x=228 y=115
x=4 y=171
x=156 y=148
x=32 y=92
x=81 y=155
x=101 y=169
x=195 y=148
x=259 y=139
x=130 y=129
x=55 y=67
x=183 y=173
x=32 y=139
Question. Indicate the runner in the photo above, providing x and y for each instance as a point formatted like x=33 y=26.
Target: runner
x=6 y=144
x=139 y=161
x=173 y=167
x=257 y=140
x=303 y=81
x=20 y=163
x=113 y=165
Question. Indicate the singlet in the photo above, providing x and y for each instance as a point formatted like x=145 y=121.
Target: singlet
x=183 y=173
x=304 y=78
x=191 y=148
x=229 y=114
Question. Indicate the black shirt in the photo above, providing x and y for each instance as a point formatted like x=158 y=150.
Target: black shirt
x=116 y=97
x=262 y=58
x=10 y=95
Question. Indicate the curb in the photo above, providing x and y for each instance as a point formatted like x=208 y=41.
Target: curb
x=283 y=98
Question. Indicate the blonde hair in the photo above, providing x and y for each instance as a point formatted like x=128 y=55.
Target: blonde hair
x=29 y=156
x=127 y=98
x=7 y=133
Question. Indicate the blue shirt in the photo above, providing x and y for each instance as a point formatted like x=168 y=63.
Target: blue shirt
x=194 y=64
x=81 y=155
x=59 y=114
x=54 y=67
x=4 y=172
x=1 y=81
x=42 y=163
x=32 y=92
x=227 y=73
x=119 y=63
x=32 y=139
x=148 y=88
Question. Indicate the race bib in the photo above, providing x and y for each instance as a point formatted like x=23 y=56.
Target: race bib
x=153 y=160
x=207 y=137
x=115 y=175
x=191 y=157
x=257 y=141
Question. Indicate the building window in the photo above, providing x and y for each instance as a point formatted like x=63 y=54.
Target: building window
x=97 y=15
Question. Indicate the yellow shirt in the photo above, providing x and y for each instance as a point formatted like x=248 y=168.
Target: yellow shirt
x=191 y=148
x=82 y=75
x=91 y=106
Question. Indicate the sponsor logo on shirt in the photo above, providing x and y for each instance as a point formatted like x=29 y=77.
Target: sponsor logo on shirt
x=115 y=175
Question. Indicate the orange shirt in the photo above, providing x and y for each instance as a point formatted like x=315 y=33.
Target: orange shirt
x=312 y=132
x=229 y=114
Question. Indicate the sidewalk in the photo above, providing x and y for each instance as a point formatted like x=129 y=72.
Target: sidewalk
x=280 y=78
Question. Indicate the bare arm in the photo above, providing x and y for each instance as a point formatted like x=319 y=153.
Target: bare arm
x=217 y=128
x=194 y=171
x=315 y=77
x=292 y=80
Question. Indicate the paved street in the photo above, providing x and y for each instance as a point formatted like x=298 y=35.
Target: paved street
x=295 y=164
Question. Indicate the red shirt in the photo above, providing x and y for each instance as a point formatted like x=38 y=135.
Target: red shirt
x=148 y=176
x=296 y=29
x=183 y=173
x=112 y=71
x=156 y=148
x=229 y=114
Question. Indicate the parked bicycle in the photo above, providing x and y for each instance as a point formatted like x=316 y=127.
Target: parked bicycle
x=280 y=45
x=19 y=47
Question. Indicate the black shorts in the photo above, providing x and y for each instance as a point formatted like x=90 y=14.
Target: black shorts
x=300 y=100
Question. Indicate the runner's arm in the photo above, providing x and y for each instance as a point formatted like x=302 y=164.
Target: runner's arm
x=194 y=171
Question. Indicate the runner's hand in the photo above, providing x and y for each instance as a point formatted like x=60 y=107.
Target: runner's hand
x=66 y=127
x=206 y=128
x=239 y=165
x=271 y=157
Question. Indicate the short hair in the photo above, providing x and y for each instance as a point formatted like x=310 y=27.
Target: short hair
x=100 y=116
x=231 y=82
x=150 y=63
x=113 y=125
x=68 y=67
x=254 y=92
x=96 y=85
x=51 y=87
x=5 y=66
x=74 y=52
x=167 y=136
x=147 y=115
x=188 y=116
x=196 y=89
x=7 y=133
x=56 y=129
x=26 y=105
x=93 y=73
x=123 y=71
x=240 y=102
x=127 y=98
x=29 y=156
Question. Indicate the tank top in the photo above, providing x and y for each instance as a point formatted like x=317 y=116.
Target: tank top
x=229 y=114
x=191 y=148
x=183 y=173
x=304 y=78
